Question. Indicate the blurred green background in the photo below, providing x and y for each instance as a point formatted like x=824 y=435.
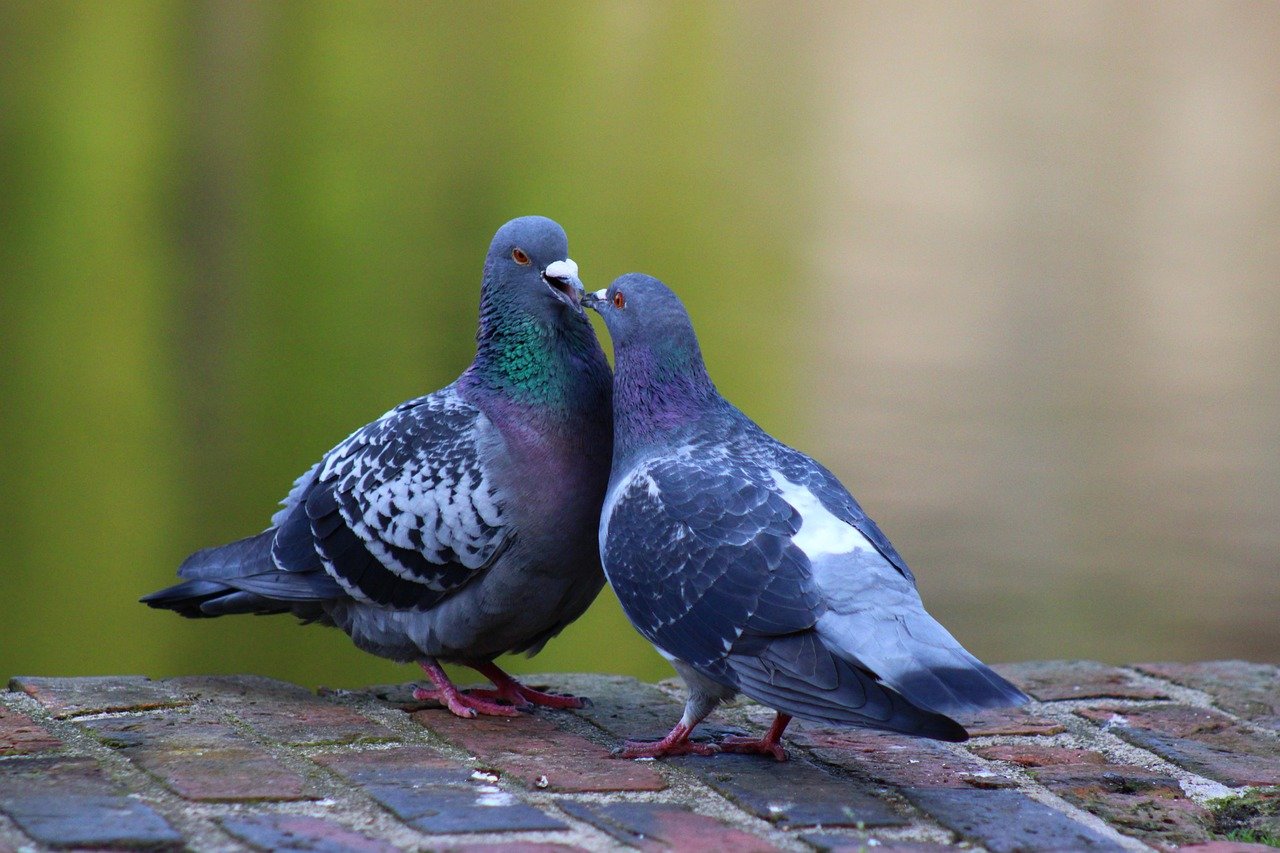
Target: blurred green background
x=1011 y=270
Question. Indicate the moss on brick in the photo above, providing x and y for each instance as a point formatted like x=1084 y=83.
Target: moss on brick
x=1253 y=817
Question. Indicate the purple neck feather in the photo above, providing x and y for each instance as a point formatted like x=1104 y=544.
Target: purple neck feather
x=658 y=394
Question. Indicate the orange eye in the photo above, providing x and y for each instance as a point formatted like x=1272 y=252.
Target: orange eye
x=520 y=257
x=619 y=301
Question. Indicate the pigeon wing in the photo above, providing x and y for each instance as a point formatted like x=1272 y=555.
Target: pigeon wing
x=403 y=512
x=698 y=555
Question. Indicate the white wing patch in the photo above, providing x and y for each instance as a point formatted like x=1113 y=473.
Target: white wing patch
x=821 y=533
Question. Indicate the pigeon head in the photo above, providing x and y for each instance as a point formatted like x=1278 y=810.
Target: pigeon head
x=534 y=344
x=641 y=311
x=528 y=269
x=660 y=380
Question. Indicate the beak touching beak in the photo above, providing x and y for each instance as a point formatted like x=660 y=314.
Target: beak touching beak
x=562 y=278
x=595 y=299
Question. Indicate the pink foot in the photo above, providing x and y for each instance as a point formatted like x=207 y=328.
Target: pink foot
x=657 y=749
x=676 y=743
x=509 y=690
x=770 y=744
x=448 y=695
x=753 y=746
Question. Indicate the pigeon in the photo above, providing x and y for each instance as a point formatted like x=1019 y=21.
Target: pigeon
x=460 y=525
x=750 y=567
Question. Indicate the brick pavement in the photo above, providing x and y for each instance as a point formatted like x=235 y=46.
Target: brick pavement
x=1163 y=756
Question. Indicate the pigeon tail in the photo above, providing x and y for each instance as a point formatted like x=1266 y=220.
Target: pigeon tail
x=909 y=651
x=241 y=577
x=799 y=676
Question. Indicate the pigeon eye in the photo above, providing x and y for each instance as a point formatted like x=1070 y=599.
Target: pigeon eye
x=520 y=257
x=619 y=301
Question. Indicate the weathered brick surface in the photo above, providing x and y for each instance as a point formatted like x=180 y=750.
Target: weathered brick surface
x=67 y=697
x=437 y=794
x=515 y=847
x=1201 y=740
x=830 y=842
x=536 y=752
x=292 y=832
x=1138 y=802
x=1227 y=847
x=71 y=803
x=662 y=827
x=1039 y=755
x=793 y=794
x=1077 y=679
x=1004 y=820
x=200 y=758
x=1249 y=690
x=252 y=763
x=896 y=759
x=280 y=711
x=19 y=734
x=1008 y=722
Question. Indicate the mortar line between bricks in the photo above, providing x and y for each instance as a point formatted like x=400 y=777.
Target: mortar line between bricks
x=1198 y=788
x=416 y=734
x=1027 y=784
x=131 y=779
x=410 y=734
x=1181 y=694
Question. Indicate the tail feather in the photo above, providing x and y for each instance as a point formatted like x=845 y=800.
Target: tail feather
x=248 y=556
x=798 y=675
x=241 y=577
x=911 y=652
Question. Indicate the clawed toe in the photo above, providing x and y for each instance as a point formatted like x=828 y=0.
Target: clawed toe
x=662 y=749
x=753 y=746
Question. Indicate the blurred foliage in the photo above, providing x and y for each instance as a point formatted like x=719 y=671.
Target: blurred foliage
x=1008 y=270
x=234 y=232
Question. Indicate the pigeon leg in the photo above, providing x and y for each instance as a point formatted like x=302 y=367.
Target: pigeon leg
x=458 y=703
x=770 y=744
x=675 y=743
x=510 y=690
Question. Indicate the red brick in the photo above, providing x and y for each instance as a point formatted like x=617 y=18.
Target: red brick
x=1010 y=722
x=69 y=697
x=1076 y=679
x=200 y=758
x=285 y=712
x=20 y=734
x=1039 y=756
x=296 y=832
x=795 y=793
x=515 y=847
x=897 y=759
x=1249 y=690
x=1197 y=739
x=826 y=842
x=533 y=750
x=409 y=765
x=1145 y=804
x=654 y=827
x=436 y=794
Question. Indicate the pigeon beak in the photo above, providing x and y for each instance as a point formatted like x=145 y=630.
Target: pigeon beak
x=595 y=299
x=562 y=278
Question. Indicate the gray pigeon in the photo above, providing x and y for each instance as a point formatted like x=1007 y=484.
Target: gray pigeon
x=750 y=567
x=460 y=525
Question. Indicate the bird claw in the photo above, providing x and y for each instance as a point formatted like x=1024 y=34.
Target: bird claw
x=484 y=693
x=467 y=706
x=753 y=746
x=522 y=696
x=661 y=749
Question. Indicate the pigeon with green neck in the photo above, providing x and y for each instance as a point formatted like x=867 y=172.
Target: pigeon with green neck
x=461 y=525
